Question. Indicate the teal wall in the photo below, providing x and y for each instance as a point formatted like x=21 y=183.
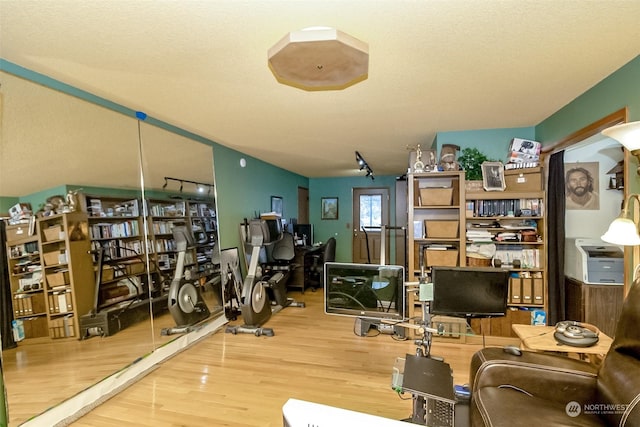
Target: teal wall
x=620 y=89
x=493 y=143
x=342 y=228
x=245 y=192
x=6 y=203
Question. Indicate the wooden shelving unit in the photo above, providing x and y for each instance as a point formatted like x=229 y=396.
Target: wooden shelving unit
x=26 y=281
x=435 y=221
x=518 y=217
x=64 y=246
x=115 y=226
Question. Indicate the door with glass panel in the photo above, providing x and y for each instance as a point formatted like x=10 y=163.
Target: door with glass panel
x=370 y=212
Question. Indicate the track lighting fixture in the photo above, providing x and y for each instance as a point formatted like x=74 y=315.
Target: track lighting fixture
x=363 y=165
x=200 y=186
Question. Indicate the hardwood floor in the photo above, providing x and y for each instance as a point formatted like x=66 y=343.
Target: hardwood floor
x=243 y=380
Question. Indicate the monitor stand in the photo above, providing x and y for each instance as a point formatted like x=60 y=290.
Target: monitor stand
x=362 y=326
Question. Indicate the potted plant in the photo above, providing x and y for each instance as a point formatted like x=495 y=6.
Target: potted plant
x=470 y=160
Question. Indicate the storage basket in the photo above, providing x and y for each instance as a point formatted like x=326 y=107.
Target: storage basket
x=53 y=233
x=435 y=257
x=441 y=229
x=474 y=260
x=58 y=279
x=436 y=196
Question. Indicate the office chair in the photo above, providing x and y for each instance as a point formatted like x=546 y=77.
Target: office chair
x=316 y=271
x=279 y=267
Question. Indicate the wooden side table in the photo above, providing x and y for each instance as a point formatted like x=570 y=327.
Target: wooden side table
x=540 y=338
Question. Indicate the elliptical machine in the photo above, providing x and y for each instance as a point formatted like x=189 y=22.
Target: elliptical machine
x=186 y=305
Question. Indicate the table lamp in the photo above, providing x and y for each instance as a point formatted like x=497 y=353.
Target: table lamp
x=623 y=230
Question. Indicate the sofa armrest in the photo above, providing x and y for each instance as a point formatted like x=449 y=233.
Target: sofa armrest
x=551 y=377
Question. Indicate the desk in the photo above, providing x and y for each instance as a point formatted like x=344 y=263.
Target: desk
x=540 y=338
x=303 y=260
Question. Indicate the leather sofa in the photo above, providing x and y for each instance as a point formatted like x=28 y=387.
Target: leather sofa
x=548 y=390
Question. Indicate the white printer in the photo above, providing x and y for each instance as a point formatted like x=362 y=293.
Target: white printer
x=594 y=262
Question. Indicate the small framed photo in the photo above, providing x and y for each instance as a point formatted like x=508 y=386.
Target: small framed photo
x=329 y=208
x=276 y=205
x=493 y=176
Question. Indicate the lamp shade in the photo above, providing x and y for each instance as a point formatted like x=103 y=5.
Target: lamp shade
x=622 y=231
x=627 y=134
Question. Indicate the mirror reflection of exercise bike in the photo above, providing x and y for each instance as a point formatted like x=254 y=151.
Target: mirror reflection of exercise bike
x=264 y=291
x=186 y=305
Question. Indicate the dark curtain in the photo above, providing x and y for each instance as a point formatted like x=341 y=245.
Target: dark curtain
x=6 y=308
x=555 y=238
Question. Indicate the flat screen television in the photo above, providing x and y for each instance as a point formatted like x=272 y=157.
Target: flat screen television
x=365 y=290
x=469 y=291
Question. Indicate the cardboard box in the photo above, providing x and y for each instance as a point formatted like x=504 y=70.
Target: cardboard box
x=436 y=196
x=53 y=258
x=53 y=233
x=447 y=258
x=59 y=278
x=107 y=273
x=441 y=229
x=524 y=151
x=528 y=179
x=17 y=232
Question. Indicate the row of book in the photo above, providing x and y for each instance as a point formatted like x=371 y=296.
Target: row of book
x=60 y=302
x=505 y=207
x=28 y=304
x=162 y=227
x=173 y=210
x=114 y=230
x=201 y=209
x=115 y=249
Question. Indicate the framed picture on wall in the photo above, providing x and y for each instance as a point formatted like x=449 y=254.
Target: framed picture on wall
x=581 y=186
x=276 y=205
x=493 y=176
x=329 y=208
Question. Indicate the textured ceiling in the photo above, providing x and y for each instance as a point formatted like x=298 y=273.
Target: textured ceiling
x=434 y=66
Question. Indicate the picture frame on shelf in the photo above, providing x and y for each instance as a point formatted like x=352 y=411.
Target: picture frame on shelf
x=329 y=208
x=276 y=205
x=493 y=176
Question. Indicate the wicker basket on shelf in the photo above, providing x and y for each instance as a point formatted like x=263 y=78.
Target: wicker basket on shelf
x=475 y=260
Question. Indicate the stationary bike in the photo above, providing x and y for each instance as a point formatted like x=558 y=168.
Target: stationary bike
x=186 y=305
x=264 y=289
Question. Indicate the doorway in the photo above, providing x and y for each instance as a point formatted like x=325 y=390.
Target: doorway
x=371 y=211
x=303 y=205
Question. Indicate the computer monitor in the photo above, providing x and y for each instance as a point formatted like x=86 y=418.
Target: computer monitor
x=304 y=230
x=366 y=291
x=469 y=291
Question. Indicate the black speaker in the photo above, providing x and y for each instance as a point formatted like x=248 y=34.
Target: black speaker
x=576 y=334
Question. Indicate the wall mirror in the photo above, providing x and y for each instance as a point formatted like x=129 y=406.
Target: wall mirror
x=52 y=142
x=180 y=192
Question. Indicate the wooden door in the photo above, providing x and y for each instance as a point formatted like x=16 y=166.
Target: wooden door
x=303 y=205
x=370 y=210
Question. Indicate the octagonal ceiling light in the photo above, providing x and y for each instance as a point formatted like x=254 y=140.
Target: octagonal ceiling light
x=319 y=58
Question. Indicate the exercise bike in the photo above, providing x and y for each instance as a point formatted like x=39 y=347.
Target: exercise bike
x=264 y=288
x=186 y=305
